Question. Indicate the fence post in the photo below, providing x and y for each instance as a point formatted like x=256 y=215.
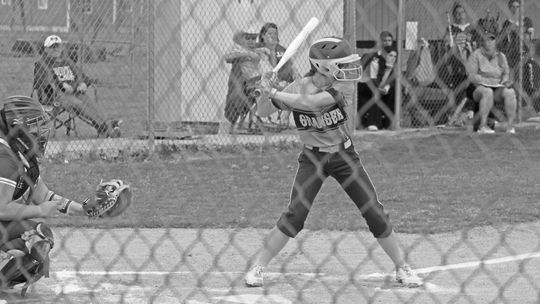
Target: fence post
x=150 y=51
x=349 y=33
x=396 y=122
x=519 y=92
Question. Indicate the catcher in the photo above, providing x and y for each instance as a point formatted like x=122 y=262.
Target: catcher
x=25 y=243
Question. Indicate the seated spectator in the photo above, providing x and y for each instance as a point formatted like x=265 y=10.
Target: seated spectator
x=245 y=69
x=59 y=82
x=490 y=83
x=377 y=86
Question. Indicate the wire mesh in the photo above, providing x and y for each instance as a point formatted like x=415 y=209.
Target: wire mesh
x=168 y=106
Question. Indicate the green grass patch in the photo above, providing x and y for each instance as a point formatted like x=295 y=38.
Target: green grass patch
x=430 y=184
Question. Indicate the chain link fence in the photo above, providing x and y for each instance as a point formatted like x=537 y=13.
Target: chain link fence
x=163 y=81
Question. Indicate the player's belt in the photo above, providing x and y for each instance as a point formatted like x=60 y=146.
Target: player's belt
x=331 y=149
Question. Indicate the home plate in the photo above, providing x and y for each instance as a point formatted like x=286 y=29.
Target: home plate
x=255 y=298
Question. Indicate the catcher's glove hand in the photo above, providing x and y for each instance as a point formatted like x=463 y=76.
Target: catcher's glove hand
x=112 y=199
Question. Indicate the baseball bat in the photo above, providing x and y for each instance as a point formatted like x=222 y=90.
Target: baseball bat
x=295 y=44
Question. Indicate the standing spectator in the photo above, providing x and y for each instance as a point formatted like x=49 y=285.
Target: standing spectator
x=269 y=40
x=461 y=33
x=57 y=80
x=531 y=79
x=509 y=36
x=458 y=47
x=489 y=74
x=376 y=88
x=245 y=69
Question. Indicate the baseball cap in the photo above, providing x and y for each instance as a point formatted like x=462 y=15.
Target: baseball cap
x=52 y=40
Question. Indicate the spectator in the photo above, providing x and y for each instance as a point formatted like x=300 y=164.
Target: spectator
x=531 y=79
x=58 y=81
x=376 y=88
x=460 y=40
x=509 y=36
x=269 y=40
x=458 y=47
x=245 y=69
x=489 y=74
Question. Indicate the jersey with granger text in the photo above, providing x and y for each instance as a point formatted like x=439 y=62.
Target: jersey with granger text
x=326 y=126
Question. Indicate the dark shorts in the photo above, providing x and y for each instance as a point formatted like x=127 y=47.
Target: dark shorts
x=344 y=166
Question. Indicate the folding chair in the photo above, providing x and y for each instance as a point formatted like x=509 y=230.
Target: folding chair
x=63 y=117
x=68 y=121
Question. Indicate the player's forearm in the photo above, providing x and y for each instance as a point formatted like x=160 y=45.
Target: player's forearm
x=302 y=101
x=15 y=211
x=65 y=205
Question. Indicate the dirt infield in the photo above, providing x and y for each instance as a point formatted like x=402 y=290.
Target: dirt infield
x=197 y=266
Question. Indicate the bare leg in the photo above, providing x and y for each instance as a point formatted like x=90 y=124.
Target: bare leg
x=390 y=245
x=510 y=106
x=484 y=96
x=273 y=244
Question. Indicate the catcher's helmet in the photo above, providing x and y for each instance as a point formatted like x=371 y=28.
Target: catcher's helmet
x=24 y=122
x=333 y=56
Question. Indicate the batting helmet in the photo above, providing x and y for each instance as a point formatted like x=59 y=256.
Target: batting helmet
x=333 y=57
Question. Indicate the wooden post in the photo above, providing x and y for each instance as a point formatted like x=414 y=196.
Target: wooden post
x=150 y=94
x=396 y=122
x=519 y=92
x=349 y=34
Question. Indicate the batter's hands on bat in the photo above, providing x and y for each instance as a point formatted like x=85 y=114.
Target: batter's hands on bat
x=268 y=82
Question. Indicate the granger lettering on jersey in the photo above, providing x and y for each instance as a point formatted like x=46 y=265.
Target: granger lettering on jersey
x=328 y=119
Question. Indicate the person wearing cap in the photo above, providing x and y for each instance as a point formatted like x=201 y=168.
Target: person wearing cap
x=58 y=81
x=490 y=78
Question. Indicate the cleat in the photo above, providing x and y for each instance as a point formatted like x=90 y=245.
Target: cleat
x=254 y=277
x=485 y=130
x=406 y=276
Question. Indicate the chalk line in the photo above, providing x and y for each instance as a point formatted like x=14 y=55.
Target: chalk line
x=464 y=265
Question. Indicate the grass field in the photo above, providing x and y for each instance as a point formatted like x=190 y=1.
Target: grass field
x=429 y=184
x=465 y=207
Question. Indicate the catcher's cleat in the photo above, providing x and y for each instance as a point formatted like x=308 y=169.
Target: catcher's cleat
x=255 y=277
x=406 y=277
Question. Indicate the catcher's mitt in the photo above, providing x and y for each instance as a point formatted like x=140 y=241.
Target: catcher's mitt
x=112 y=199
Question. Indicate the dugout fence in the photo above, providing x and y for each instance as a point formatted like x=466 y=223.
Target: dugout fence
x=160 y=68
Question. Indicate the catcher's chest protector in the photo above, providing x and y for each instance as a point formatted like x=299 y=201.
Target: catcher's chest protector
x=29 y=169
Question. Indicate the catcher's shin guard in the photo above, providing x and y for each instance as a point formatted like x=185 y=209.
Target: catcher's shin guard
x=34 y=264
